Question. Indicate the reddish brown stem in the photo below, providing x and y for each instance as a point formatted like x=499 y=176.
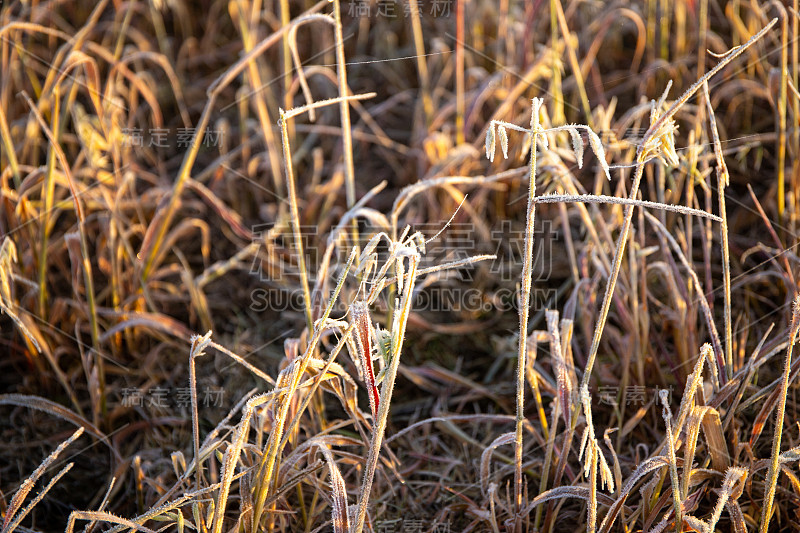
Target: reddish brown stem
x=360 y=313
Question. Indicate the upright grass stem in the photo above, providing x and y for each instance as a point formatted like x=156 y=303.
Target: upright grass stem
x=295 y=218
x=344 y=107
x=524 y=304
x=722 y=182
x=422 y=65
x=573 y=60
x=782 y=99
x=772 y=475
x=460 y=105
x=246 y=27
x=48 y=193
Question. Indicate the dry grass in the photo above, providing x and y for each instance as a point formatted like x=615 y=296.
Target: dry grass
x=170 y=168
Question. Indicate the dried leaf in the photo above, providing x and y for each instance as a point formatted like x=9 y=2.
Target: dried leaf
x=733 y=476
x=715 y=437
x=737 y=517
x=695 y=523
x=486 y=458
x=562 y=377
x=340 y=511
x=644 y=468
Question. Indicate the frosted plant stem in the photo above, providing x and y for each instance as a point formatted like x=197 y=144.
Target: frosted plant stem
x=524 y=304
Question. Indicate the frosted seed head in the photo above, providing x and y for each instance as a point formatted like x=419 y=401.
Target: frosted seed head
x=577 y=146
x=597 y=148
x=501 y=132
x=490 y=143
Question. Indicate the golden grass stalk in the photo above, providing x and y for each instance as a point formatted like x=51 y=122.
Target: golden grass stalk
x=422 y=65
x=48 y=194
x=246 y=24
x=286 y=56
x=344 y=109
x=290 y=185
x=573 y=60
x=795 y=80
x=555 y=84
x=459 y=46
x=533 y=381
x=782 y=104
x=772 y=475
